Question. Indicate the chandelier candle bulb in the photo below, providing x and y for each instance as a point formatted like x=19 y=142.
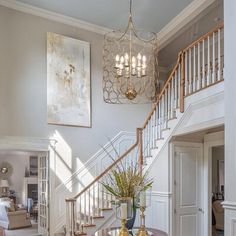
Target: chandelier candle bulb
x=117 y=61
x=123 y=211
x=126 y=59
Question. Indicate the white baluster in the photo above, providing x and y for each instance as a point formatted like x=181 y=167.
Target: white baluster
x=154 y=129
x=213 y=58
x=166 y=108
x=190 y=71
x=68 y=218
x=176 y=89
x=156 y=126
x=172 y=99
x=186 y=74
x=149 y=137
x=203 y=64
x=146 y=143
x=194 y=69
x=85 y=210
x=199 y=68
x=179 y=81
x=162 y=113
x=94 y=199
x=219 y=57
x=159 y=120
x=168 y=102
x=98 y=199
x=80 y=212
x=208 y=62
x=143 y=140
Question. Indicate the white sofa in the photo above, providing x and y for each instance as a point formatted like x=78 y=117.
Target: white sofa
x=11 y=218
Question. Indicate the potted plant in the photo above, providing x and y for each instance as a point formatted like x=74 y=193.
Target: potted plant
x=122 y=182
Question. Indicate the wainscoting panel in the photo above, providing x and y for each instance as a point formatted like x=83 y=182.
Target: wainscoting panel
x=157 y=214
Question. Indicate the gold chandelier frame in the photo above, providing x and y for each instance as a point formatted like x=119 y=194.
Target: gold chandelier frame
x=137 y=46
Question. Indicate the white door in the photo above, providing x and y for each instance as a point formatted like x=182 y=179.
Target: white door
x=43 y=188
x=188 y=189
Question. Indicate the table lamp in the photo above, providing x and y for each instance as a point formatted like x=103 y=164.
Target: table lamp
x=4 y=184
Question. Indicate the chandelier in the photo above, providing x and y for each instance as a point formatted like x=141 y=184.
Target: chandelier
x=130 y=65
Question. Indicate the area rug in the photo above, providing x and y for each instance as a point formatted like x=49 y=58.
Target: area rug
x=24 y=232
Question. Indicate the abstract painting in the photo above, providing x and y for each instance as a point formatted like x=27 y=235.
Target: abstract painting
x=68 y=81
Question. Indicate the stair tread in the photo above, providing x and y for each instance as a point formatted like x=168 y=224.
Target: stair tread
x=98 y=217
x=89 y=225
x=106 y=209
x=165 y=129
x=80 y=234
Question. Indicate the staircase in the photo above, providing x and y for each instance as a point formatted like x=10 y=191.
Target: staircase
x=198 y=67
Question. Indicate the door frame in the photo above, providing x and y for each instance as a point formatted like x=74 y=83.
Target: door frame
x=210 y=141
x=30 y=144
x=172 y=179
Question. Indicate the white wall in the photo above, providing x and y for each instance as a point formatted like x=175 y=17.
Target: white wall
x=18 y=161
x=23 y=88
x=230 y=117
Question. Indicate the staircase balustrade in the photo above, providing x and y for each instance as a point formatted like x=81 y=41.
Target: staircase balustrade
x=199 y=66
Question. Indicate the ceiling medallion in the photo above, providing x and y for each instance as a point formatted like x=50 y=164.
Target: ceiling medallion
x=130 y=65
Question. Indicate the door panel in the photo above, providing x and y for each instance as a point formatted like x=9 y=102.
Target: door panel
x=188 y=190
x=43 y=185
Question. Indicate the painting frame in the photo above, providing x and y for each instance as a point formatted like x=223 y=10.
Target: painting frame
x=68 y=81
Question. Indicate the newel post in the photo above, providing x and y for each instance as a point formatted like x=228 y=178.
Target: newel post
x=140 y=145
x=71 y=218
x=182 y=82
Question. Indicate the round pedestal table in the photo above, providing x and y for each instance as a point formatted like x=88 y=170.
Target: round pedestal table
x=115 y=232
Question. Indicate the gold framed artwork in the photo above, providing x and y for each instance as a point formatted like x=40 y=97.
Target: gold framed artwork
x=68 y=81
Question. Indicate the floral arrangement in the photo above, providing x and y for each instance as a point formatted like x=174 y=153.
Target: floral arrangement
x=123 y=181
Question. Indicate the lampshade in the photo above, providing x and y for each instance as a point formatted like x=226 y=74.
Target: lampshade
x=4 y=183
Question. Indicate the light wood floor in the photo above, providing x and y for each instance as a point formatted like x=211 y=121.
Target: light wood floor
x=23 y=232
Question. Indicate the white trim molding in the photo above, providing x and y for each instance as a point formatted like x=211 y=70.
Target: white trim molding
x=25 y=143
x=161 y=194
x=229 y=205
x=50 y=15
x=210 y=140
x=181 y=20
x=164 y=36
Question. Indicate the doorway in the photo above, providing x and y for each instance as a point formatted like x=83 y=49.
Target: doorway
x=24 y=184
x=217 y=177
x=207 y=140
x=188 y=182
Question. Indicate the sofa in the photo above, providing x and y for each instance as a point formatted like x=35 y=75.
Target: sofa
x=11 y=217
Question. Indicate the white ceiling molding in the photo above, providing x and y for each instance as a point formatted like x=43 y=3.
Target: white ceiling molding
x=181 y=20
x=26 y=8
x=164 y=36
x=27 y=144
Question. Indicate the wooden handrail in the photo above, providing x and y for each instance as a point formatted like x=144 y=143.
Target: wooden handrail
x=163 y=90
x=205 y=36
x=106 y=171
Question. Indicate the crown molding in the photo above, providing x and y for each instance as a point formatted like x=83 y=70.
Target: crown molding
x=50 y=15
x=164 y=36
